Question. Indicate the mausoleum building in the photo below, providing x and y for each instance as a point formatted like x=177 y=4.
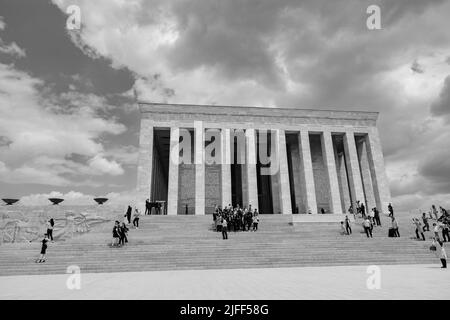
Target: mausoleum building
x=278 y=160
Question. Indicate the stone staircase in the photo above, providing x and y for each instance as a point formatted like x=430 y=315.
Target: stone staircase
x=188 y=242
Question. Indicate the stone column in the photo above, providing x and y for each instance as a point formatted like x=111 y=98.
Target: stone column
x=353 y=172
x=172 y=195
x=199 y=168
x=330 y=166
x=252 y=186
x=283 y=172
x=306 y=170
x=145 y=162
x=377 y=169
x=342 y=178
x=226 y=167
x=365 y=173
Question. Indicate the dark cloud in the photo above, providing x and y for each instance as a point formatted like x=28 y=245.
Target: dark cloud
x=416 y=67
x=393 y=11
x=441 y=107
x=435 y=169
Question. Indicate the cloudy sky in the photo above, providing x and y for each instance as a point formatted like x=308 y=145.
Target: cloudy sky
x=68 y=116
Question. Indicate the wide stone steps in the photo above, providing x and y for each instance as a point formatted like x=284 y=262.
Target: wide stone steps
x=188 y=242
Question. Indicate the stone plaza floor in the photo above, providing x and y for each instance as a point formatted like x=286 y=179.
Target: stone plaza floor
x=342 y=282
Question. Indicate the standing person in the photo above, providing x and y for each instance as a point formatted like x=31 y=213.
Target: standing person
x=255 y=222
x=128 y=214
x=136 y=218
x=440 y=251
x=372 y=216
x=418 y=229
x=377 y=216
x=123 y=234
x=362 y=208
x=367 y=227
x=348 y=229
x=434 y=212
x=43 y=250
x=395 y=227
x=147 y=207
x=224 y=229
x=436 y=231
x=115 y=234
x=426 y=226
x=50 y=225
x=391 y=210
x=445 y=232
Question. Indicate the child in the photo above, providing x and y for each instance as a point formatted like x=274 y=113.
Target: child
x=43 y=250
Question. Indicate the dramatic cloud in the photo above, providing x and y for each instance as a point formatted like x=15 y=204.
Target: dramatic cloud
x=287 y=53
x=441 y=107
x=40 y=132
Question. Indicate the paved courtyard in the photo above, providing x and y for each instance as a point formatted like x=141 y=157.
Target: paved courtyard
x=346 y=282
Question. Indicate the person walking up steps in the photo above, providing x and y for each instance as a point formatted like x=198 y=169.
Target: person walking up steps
x=136 y=218
x=43 y=250
x=50 y=225
x=348 y=229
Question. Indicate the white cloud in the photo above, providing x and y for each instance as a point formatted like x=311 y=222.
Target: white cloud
x=105 y=166
x=12 y=49
x=43 y=131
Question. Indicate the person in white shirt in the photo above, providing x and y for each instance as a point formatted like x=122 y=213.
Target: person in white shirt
x=224 y=229
x=395 y=227
x=440 y=251
x=367 y=227
x=136 y=218
x=436 y=231
x=418 y=229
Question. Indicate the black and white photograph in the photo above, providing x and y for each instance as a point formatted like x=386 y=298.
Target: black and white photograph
x=240 y=152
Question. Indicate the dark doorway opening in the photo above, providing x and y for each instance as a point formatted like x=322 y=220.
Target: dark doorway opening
x=236 y=177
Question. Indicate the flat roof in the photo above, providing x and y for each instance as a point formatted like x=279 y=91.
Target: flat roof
x=152 y=107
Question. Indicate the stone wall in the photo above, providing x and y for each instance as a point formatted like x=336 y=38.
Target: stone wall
x=320 y=175
x=186 y=188
x=213 y=191
x=28 y=223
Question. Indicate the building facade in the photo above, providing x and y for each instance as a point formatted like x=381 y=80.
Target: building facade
x=277 y=160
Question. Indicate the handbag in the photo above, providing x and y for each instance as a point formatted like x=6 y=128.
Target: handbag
x=433 y=248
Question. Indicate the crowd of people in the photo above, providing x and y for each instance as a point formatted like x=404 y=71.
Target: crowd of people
x=440 y=226
x=235 y=218
x=247 y=219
